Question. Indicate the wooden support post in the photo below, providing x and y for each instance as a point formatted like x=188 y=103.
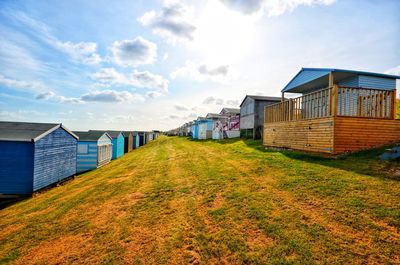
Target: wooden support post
x=290 y=109
x=393 y=116
x=283 y=97
x=335 y=100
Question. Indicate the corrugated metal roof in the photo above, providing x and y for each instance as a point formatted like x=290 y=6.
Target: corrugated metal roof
x=264 y=98
x=318 y=77
x=27 y=131
x=91 y=136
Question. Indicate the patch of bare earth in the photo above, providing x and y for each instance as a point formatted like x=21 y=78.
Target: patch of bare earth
x=66 y=249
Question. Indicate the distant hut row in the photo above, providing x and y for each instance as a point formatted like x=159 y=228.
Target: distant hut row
x=338 y=111
x=36 y=155
x=246 y=121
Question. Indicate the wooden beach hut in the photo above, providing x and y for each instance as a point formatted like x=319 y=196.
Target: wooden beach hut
x=339 y=111
x=94 y=150
x=34 y=156
x=230 y=122
x=118 y=142
x=135 y=143
x=128 y=141
x=252 y=115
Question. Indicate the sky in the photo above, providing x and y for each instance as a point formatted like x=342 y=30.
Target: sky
x=144 y=65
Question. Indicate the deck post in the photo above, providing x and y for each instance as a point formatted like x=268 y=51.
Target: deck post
x=393 y=112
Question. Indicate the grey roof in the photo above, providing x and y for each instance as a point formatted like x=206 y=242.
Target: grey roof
x=112 y=134
x=126 y=133
x=231 y=110
x=213 y=116
x=261 y=98
x=27 y=131
x=90 y=136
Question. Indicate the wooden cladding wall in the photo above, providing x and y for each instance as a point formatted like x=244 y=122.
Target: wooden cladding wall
x=333 y=135
x=313 y=135
x=354 y=134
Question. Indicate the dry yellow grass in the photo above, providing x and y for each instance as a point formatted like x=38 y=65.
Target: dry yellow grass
x=177 y=201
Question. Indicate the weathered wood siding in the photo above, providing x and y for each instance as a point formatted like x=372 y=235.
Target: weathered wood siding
x=353 y=134
x=128 y=144
x=16 y=171
x=313 y=135
x=54 y=158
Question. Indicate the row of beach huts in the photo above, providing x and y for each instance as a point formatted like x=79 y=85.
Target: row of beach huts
x=37 y=155
x=328 y=111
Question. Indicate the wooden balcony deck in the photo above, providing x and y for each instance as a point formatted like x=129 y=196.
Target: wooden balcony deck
x=333 y=120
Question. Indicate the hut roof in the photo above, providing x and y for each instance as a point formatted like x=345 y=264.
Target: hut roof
x=263 y=98
x=213 y=116
x=28 y=131
x=231 y=110
x=112 y=134
x=90 y=136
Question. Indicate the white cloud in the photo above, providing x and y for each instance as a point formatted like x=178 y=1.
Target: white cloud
x=181 y=108
x=393 y=71
x=109 y=76
x=112 y=96
x=19 y=114
x=82 y=52
x=20 y=84
x=153 y=94
x=219 y=101
x=202 y=72
x=271 y=7
x=85 y=52
x=173 y=22
x=50 y=95
x=145 y=79
x=219 y=70
x=134 y=52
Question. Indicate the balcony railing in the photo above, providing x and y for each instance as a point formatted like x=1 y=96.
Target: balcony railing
x=335 y=101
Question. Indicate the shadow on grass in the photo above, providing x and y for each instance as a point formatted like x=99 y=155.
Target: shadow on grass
x=364 y=162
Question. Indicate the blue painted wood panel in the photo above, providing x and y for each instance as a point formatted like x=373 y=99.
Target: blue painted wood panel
x=54 y=158
x=376 y=82
x=136 y=142
x=118 y=147
x=16 y=170
x=86 y=158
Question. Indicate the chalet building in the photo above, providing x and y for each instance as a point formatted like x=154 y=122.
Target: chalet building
x=252 y=115
x=128 y=141
x=339 y=111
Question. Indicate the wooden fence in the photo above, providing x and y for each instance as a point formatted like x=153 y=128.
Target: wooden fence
x=335 y=101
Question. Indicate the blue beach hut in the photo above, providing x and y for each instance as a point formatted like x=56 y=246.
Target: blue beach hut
x=94 y=150
x=34 y=156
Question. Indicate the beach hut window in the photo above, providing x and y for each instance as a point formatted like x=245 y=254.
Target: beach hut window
x=82 y=149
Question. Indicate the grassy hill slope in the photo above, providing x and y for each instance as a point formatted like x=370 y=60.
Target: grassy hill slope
x=181 y=201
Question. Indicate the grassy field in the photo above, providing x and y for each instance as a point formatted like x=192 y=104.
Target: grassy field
x=398 y=108
x=178 y=201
